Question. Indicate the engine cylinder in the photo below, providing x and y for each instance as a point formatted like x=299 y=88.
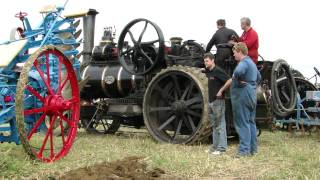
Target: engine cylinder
x=108 y=81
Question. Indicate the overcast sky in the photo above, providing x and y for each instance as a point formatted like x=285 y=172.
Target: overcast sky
x=286 y=29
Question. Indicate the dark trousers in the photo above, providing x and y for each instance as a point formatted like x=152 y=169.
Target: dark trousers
x=221 y=56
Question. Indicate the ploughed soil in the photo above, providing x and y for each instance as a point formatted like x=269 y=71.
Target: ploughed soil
x=133 y=168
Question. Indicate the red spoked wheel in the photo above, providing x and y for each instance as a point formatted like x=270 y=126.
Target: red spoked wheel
x=47 y=105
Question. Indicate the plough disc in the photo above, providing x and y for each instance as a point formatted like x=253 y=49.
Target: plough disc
x=46 y=118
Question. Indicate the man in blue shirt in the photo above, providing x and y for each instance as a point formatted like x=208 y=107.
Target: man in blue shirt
x=243 y=97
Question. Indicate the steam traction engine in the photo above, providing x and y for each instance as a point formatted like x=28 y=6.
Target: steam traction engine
x=143 y=82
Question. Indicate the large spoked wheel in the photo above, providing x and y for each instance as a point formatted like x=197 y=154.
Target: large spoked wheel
x=139 y=54
x=47 y=119
x=284 y=102
x=175 y=106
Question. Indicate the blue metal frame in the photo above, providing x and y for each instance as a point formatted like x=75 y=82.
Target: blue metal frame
x=302 y=117
x=47 y=33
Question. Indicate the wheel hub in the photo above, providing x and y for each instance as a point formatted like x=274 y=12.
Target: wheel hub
x=179 y=106
x=56 y=103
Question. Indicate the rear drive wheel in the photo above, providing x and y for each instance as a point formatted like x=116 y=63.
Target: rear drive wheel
x=175 y=106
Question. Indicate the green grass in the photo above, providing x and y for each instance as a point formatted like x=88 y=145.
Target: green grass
x=280 y=157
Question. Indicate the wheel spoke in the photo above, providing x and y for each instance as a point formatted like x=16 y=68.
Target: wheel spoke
x=143 y=31
x=150 y=42
x=164 y=93
x=48 y=68
x=35 y=93
x=34 y=110
x=131 y=36
x=68 y=121
x=168 y=121
x=194 y=100
x=177 y=87
x=63 y=84
x=42 y=77
x=285 y=95
x=196 y=114
x=59 y=75
x=46 y=137
x=146 y=56
x=280 y=79
x=52 y=118
x=72 y=101
x=62 y=133
x=190 y=90
x=196 y=106
x=193 y=127
x=178 y=129
x=186 y=91
x=152 y=109
x=43 y=144
x=35 y=127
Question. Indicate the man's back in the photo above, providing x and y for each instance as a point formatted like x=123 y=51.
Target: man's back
x=222 y=35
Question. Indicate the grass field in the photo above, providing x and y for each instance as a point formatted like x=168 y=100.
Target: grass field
x=280 y=157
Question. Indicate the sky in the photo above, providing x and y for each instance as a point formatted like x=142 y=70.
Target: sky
x=287 y=29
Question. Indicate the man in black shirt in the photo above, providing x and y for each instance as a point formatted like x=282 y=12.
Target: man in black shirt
x=220 y=39
x=218 y=83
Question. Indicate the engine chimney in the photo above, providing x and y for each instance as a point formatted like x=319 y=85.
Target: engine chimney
x=88 y=35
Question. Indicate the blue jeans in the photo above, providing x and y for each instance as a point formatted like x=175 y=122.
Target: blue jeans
x=244 y=111
x=217 y=117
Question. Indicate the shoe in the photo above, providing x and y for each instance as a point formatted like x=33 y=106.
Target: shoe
x=216 y=153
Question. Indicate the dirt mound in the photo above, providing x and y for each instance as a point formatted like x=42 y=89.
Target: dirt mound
x=127 y=168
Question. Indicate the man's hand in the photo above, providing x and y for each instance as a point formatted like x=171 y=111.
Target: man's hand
x=235 y=38
x=219 y=94
x=232 y=42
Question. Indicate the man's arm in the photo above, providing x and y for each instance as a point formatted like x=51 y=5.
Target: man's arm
x=234 y=37
x=224 y=87
x=211 y=43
